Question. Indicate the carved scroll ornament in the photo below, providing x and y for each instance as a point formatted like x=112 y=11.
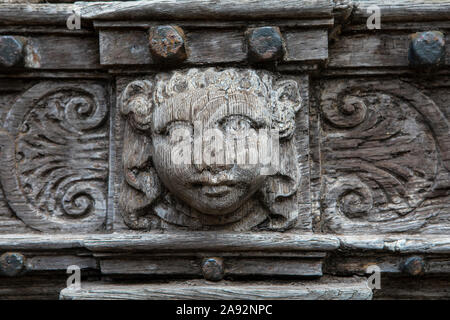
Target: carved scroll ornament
x=156 y=193
x=54 y=151
x=385 y=152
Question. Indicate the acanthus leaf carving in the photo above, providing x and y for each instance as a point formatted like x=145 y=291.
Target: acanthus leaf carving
x=383 y=145
x=55 y=157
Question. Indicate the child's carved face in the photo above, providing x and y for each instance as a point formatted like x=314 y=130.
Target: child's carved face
x=205 y=147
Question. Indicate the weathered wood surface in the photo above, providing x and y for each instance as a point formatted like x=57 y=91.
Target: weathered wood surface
x=324 y=289
x=214 y=241
x=404 y=10
x=208 y=46
x=62 y=52
x=53 y=172
x=344 y=265
x=192 y=266
x=198 y=9
x=373 y=50
x=383 y=169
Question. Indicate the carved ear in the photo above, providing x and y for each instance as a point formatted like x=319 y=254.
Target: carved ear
x=136 y=103
x=141 y=187
x=280 y=191
x=286 y=102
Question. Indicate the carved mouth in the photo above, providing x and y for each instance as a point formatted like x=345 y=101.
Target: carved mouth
x=215 y=191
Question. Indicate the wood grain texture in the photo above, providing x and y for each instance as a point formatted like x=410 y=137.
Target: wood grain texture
x=381 y=175
x=227 y=242
x=192 y=266
x=373 y=50
x=62 y=52
x=388 y=264
x=404 y=10
x=208 y=46
x=197 y=9
x=324 y=289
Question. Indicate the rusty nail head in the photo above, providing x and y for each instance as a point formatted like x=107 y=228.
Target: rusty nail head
x=413 y=266
x=168 y=44
x=212 y=269
x=11 y=263
x=426 y=49
x=265 y=44
x=11 y=51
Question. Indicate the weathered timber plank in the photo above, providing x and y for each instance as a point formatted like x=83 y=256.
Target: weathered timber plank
x=404 y=10
x=420 y=288
x=233 y=266
x=59 y=262
x=35 y=14
x=63 y=52
x=311 y=45
x=373 y=50
x=266 y=267
x=235 y=24
x=216 y=242
x=328 y=289
x=162 y=266
x=208 y=46
x=210 y=9
x=388 y=264
x=213 y=241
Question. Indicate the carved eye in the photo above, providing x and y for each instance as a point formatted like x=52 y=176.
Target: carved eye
x=180 y=127
x=239 y=124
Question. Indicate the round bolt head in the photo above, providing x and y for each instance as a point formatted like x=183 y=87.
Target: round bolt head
x=11 y=51
x=265 y=44
x=168 y=44
x=212 y=269
x=414 y=266
x=426 y=49
x=11 y=263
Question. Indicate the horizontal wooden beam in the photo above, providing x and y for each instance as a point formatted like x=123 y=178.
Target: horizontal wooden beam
x=208 y=46
x=226 y=242
x=324 y=289
x=403 y=10
x=206 y=9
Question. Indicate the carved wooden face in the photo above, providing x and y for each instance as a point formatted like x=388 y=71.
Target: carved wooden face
x=213 y=138
x=215 y=128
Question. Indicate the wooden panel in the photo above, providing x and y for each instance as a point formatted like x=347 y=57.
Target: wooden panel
x=310 y=45
x=154 y=266
x=388 y=264
x=119 y=47
x=377 y=50
x=265 y=267
x=384 y=160
x=58 y=262
x=214 y=47
x=328 y=289
x=233 y=266
x=62 y=52
x=208 y=46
